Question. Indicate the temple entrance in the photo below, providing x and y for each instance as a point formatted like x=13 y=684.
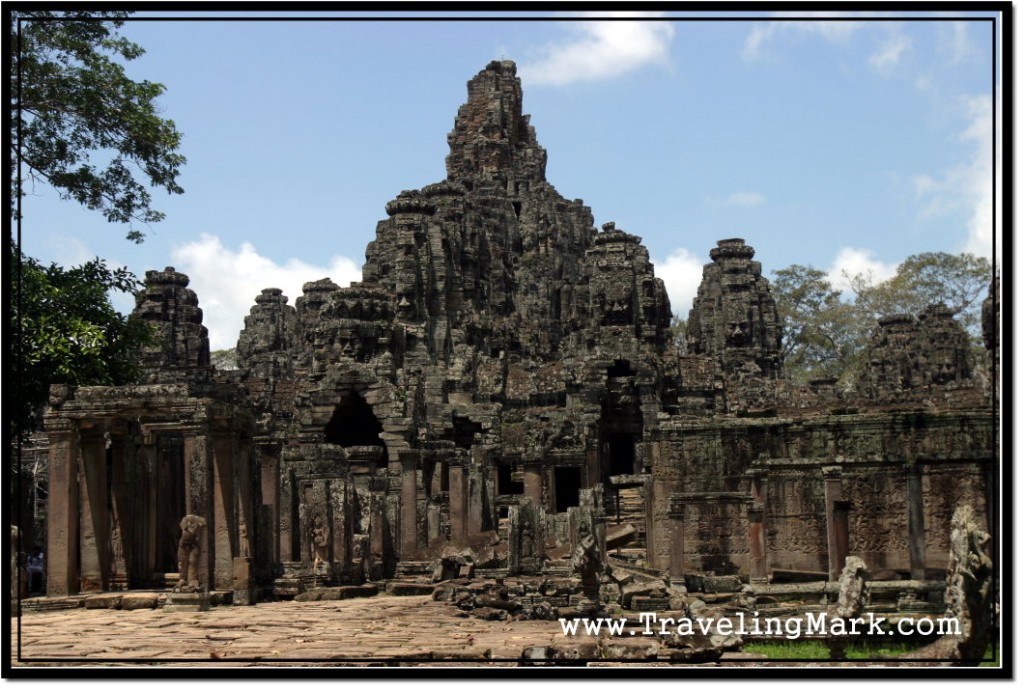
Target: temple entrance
x=353 y=423
x=169 y=495
x=568 y=482
x=621 y=454
x=621 y=423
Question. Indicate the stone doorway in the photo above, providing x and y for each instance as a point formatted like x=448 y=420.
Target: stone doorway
x=353 y=423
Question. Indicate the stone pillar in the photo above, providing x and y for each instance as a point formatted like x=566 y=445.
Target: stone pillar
x=677 y=558
x=458 y=507
x=410 y=464
x=533 y=482
x=758 y=562
x=915 y=522
x=593 y=467
x=124 y=522
x=223 y=536
x=244 y=481
x=270 y=491
x=475 y=500
x=198 y=488
x=833 y=498
x=756 y=527
x=94 y=535
x=62 y=509
x=148 y=458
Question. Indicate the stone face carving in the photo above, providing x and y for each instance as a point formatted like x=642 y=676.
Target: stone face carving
x=180 y=349
x=189 y=549
x=734 y=317
x=907 y=353
x=734 y=321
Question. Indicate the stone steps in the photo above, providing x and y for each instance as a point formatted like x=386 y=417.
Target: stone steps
x=407 y=569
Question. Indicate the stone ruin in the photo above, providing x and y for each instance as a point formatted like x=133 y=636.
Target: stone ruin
x=503 y=380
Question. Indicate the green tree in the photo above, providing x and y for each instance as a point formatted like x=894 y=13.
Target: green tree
x=822 y=336
x=68 y=332
x=80 y=124
x=958 y=281
x=826 y=336
x=677 y=332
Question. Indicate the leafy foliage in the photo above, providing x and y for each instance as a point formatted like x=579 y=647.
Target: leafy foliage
x=72 y=103
x=826 y=336
x=958 y=281
x=822 y=335
x=677 y=332
x=66 y=331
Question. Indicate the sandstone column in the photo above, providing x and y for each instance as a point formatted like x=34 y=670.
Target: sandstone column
x=833 y=496
x=198 y=487
x=533 y=482
x=94 y=535
x=62 y=509
x=270 y=489
x=223 y=537
x=410 y=465
x=915 y=522
x=148 y=459
x=756 y=526
x=457 y=504
x=677 y=558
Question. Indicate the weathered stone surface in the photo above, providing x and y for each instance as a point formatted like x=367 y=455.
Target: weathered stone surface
x=499 y=400
x=402 y=589
x=104 y=601
x=969 y=595
x=734 y=321
x=180 y=348
x=187 y=602
x=131 y=601
x=908 y=353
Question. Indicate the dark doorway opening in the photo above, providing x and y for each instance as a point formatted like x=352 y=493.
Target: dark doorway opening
x=621 y=368
x=169 y=491
x=621 y=454
x=568 y=482
x=507 y=484
x=353 y=423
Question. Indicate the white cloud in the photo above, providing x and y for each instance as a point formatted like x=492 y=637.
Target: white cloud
x=967 y=187
x=602 y=50
x=851 y=261
x=681 y=273
x=741 y=198
x=834 y=30
x=227 y=281
x=69 y=251
x=956 y=43
x=889 y=55
x=745 y=199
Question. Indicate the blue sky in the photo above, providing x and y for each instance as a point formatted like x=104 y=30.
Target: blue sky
x=841 y=144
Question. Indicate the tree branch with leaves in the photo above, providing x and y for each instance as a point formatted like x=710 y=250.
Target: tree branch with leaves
x=79 y=123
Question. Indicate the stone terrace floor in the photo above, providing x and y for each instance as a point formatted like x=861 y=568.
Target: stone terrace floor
x=377 y=631
x=387 y=629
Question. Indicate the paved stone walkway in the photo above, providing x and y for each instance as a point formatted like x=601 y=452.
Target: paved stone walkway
x=382 y=628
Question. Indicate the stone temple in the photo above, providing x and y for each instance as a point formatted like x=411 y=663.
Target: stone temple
x=501 y=396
